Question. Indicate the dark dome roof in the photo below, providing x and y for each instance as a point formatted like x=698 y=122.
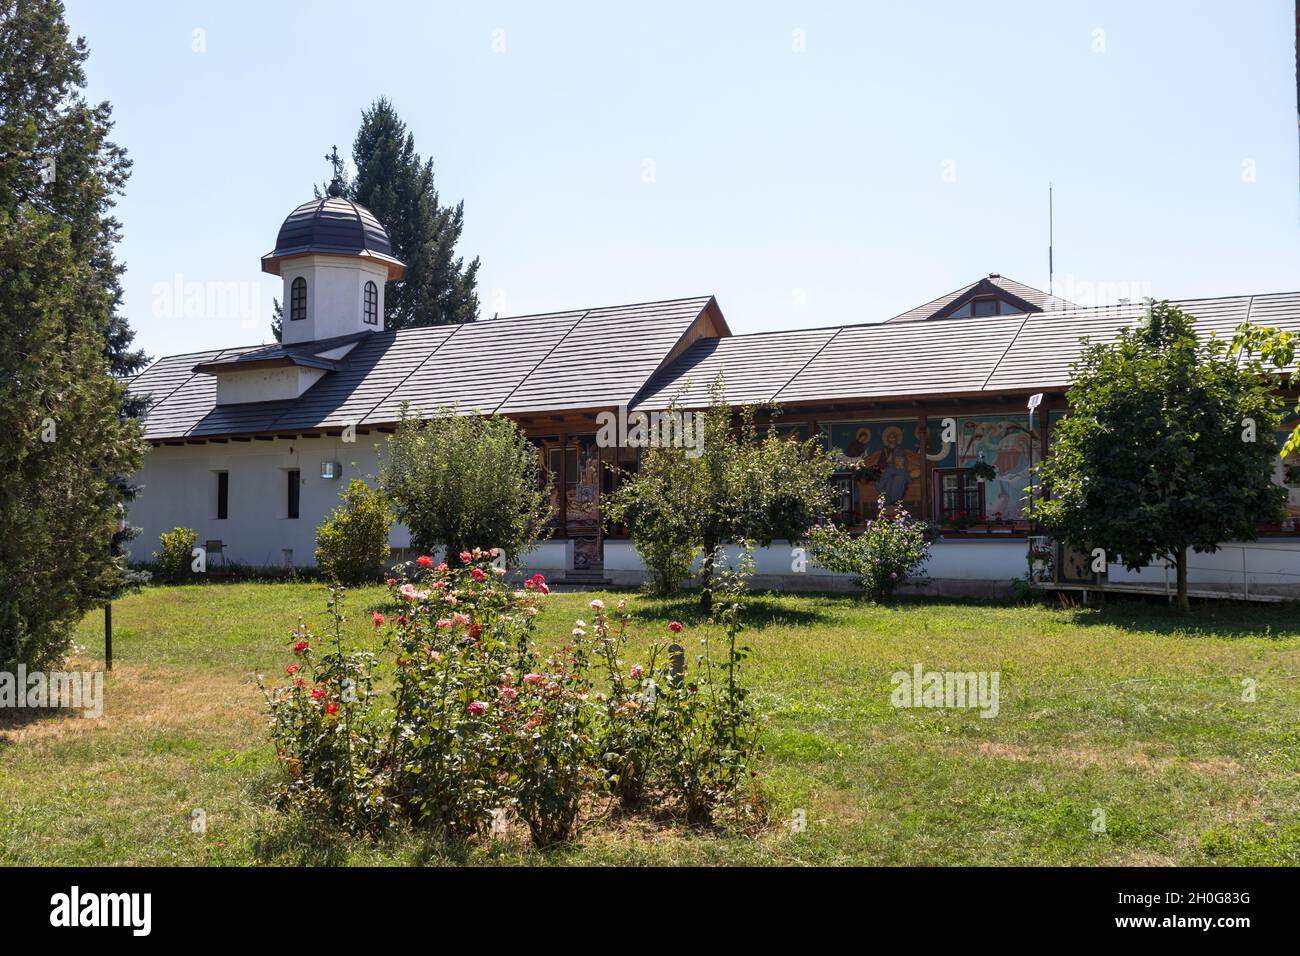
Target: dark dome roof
x=336 y=226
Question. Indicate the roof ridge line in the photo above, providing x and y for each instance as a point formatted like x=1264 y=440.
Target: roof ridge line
x=831 y=338
x=663 y=363
x=529 y=374
x=434 y=351
x=1015 y=335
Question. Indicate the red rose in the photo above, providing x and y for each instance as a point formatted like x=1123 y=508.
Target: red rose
x=475 y=707
x=478 y=574
x=377 y=618
x=331 y=709
x=424 y=561
x=302 y=647
x=675 y=626
x=318 y=692
x=291 y=669
x=390 y=581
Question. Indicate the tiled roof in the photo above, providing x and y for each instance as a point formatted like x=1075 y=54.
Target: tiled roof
x=969 y=356
x=566 y=360
x=645 y=356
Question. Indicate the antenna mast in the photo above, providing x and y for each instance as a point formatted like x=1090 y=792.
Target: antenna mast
x=1050 y=227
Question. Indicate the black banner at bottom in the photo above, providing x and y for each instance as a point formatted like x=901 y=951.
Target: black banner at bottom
x=171 y=904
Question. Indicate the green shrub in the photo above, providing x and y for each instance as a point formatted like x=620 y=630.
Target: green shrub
x=893 y=548
x=174 y=561
x=459 y=480
x=352 y=544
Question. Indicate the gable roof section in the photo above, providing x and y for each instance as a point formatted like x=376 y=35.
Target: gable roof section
x=607 y=357
x=479 y=368
x=883 y=360
x=966 y=357
x=754 y=368
x=564 y=360
x=1034 y=300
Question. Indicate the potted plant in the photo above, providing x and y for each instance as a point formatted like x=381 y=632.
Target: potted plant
x=982 y=471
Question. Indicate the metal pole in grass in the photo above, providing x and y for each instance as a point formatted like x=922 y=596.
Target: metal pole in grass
x=1034 y=401
x=108 y=637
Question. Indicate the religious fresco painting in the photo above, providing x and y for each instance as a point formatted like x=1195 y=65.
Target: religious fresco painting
x=1003 y=441
x=876 y=458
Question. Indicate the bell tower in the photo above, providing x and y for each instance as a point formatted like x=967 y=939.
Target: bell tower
x=335 y=258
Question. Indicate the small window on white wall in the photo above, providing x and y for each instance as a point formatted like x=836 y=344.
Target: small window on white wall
x=371 y=315
x=298 y=299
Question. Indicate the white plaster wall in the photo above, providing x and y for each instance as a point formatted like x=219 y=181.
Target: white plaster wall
x=1261 y=564
x=265 y=385
x=180 y=489
x=335 y=296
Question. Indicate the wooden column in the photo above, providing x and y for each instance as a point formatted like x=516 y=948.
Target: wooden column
x=923 y=429
x=564 y=485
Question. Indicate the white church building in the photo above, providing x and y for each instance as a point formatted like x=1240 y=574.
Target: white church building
x=251 y=446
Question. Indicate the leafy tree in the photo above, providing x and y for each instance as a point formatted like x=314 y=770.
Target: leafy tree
x=466 y=481
x=1168 y=447
x=352 y=544
x=656 y=507
x=1276 y=348
x=740 y=486
x=394 y=183
x=66 y=438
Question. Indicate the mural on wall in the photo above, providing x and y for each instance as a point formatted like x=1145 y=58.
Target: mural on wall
x=877 y=458
x=1004 y=441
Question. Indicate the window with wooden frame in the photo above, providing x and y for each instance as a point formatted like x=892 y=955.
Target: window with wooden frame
x=984 y=306
x=298 y=299
x=959 y=498
x=223 y=495
x=371 y=315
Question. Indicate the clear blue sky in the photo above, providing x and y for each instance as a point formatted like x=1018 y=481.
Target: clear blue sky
x=904 y=152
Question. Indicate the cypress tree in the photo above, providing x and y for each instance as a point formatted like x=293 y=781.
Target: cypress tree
x=67 y=437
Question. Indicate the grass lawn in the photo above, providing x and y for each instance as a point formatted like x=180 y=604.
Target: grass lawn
x=1127 y=709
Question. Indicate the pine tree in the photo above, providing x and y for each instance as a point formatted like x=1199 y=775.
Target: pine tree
x=394 y=183
x=66 y=433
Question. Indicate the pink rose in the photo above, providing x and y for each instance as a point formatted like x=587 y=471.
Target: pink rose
x=636 y=672
x=675 y=626
x=476 y=707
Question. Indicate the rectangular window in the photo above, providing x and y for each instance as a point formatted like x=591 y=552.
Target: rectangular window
x=961 y=498
x=294 y=485
x=223 y=495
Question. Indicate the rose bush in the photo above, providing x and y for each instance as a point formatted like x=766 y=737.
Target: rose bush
x=475 y=720
x=893 y=548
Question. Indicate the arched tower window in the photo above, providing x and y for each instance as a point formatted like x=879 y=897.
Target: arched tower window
x=298 y=299
x=371 y=316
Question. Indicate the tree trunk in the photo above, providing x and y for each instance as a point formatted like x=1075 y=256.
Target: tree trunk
x=706 y=577
x=1181 y=561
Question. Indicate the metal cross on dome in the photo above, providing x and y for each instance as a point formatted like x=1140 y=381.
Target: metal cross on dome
x=336 y=185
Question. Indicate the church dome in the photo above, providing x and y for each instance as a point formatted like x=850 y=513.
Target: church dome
x=333 y=225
